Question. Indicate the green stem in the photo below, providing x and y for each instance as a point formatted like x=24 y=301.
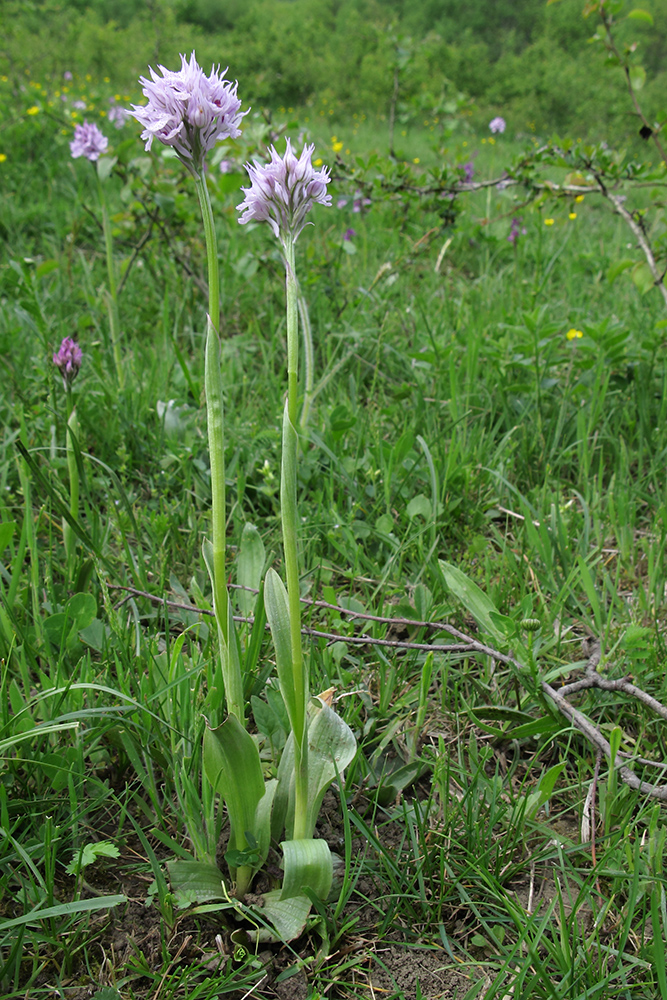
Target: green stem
x=288 y=505
x=309 y=360
x=231 y=672
x=69 y=537
x=112 y=291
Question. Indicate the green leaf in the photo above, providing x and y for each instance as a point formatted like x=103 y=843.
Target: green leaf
x=642 y=277
x=640 y=15
x=506 y=625
x=195 y=882
x=472 y=598
x=89 y=854
x=544 y=790
x=6 y=531
x=419 y=505
x=614 y=270
x=63 y=910
x=277 y=612
x=287 y=916
x=637 y=77
x=105 y=165
x=332 y=747
x=307 y=863
x=250 y=567
x=232 y=765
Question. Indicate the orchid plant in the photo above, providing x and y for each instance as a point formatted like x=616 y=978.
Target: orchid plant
x=67 y=360
x=91 y=143
x=191 y=112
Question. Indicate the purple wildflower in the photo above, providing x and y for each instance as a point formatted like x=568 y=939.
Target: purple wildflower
x=349 y=234
x=360 y=203
x=497 y=124
x=516 y=230
x=341 y=203
x=67 y=360
x=189 y=111
x=118 y=115
x=67 y=75
x=283 y=191
x=79 y=105
x=88 y=141
x=468 y=171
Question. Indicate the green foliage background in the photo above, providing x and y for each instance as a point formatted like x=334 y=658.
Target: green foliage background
x=531 y=61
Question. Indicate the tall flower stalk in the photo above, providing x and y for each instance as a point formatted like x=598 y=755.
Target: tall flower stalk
x=191 y=112
x=91 y=143
x=282 y=192
x=67 y=360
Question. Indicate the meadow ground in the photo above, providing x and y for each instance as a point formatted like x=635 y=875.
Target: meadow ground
x=481 y=405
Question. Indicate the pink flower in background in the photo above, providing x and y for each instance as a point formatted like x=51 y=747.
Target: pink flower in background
x=189 y=111
x=349 y=234
x=67 y=360
x=497 y=124
x=118 y=115
x=283 y=191
x=88 y=141
x=67 y=75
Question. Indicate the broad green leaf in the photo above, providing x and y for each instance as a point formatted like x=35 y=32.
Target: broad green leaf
x=472 y=598
x=640 y=15
x=506 y=625
x=539 y=727
x=105 y=165
x=277 y=611
x=287 y=917
x=6 y=531
x=82 y=608
x=250 y=566
x=307 y=863
x=232 y=765
x=331 y=747
x=195 y=882
x=419 y=505
x=642 y=277
x=614 y=270
x=637 y=77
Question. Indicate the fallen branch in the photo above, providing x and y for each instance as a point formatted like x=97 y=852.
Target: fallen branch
x=466 y=644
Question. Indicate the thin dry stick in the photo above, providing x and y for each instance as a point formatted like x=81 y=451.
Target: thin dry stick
x=466 y=644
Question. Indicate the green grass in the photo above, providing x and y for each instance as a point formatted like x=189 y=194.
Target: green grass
x=453 y=420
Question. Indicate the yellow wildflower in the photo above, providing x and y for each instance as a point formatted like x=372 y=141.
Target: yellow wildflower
x=34 y=110
x=416 y=159
x=549 y=222
x=572 y=215
x=3 y=157
x=574 y=334
x=579 y=198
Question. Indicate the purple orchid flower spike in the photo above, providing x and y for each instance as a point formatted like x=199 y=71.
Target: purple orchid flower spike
x=283 y=191
x=88 y=141
x=67 y=360
x=189 y=111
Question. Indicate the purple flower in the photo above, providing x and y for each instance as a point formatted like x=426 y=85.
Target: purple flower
x=283 y=191
x=226 y=167
x=67 y=75
x=341 y=203
x=349 y=234
x=79 y=105
x=68 y=360
x=118 y=115
x=360 y=203
x=468 y=171
x=88 y=141
x=189 y=111
x=516 y=231
x=497 y=124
